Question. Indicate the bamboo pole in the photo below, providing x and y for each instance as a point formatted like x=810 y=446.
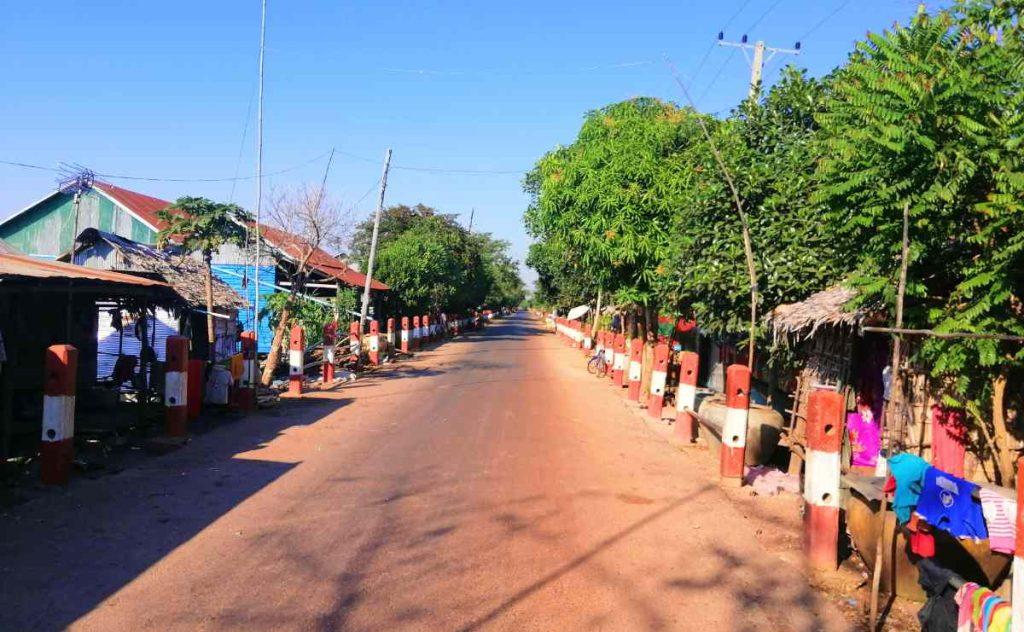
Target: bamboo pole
x=895 y=392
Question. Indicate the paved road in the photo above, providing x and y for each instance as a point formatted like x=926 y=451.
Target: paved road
x=488 y=484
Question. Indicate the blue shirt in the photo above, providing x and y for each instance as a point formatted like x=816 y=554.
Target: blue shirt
x=947 y=503
x=908 y=470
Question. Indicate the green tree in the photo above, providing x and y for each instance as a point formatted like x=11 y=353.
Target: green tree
x=430 y=266
x=605 y=200
x=204 y=226
x=394 y=220
x=929 y=115
x=768 y=147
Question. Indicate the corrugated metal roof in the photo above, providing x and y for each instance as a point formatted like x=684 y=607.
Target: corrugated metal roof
x=19 y=266
x=8 y=249
x=142 y=205
x=294 y=247
x=186 y=275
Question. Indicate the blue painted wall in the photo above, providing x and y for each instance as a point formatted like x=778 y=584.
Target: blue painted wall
x=233 y=275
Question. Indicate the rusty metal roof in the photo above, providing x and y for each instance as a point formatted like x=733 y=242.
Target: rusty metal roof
x=22 y=267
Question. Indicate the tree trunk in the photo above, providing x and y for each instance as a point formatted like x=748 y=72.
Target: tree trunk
x=275 y=348
x=1004 y=442
x=211 y=336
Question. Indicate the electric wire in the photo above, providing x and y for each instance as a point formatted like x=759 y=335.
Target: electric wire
x=822 y=21
x=114 y=176
x=763 y=15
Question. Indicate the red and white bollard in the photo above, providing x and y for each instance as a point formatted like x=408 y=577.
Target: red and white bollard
x=196 y=369
x=1017 y=593
x=821 y=478
x=599 y=344
x=296 y=360
x=374 y=343
x=247 y=385
x=659 y=378
x=176 y=386
x=686 y=397
x=588 y=342
x=391 y=335
x=428 y=333
x=405 y=334
x=619 y=367
x=416 y=333
x=636 y=355
x=355 y=342
x=330 y=339
x=734 y=430
x=57 y=447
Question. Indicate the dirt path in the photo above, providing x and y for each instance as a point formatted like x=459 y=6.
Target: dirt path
x=488 y=484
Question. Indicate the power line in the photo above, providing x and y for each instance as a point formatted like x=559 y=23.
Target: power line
x=763 y=15
x=822 y=21
x=113 y=176
x=438 y=170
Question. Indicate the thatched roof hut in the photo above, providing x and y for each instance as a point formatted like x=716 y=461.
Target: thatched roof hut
x=187 y=276
x=827 y=308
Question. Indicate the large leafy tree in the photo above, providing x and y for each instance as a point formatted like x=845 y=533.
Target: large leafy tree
x=605 y=200
x=929 y=115
x=768 y=147
x=204 y=226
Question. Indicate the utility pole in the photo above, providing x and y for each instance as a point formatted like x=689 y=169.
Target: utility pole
x=758 y=61
x=259 y=191
x=472 y=212
x=373 y=242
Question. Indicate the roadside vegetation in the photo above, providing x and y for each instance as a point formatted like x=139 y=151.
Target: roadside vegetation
x=926 y=116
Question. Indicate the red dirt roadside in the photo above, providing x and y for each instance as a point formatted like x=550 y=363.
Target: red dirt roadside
x=488 y=484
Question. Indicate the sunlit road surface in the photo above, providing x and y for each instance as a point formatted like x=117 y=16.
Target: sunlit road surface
x=488 y=484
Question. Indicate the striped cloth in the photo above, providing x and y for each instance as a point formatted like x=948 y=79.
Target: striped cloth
x=1001 y=520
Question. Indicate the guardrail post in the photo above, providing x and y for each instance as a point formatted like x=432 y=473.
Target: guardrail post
x=428 y=333
x=247 y=385
x=176 y=386
x=330 y=339
x=355 y=341
x=57 y=447
x=391 y=335
x=659 y=377
x=636 y=351
x=619 y=368
x=374 y=343
x=296 y=360
x=405 y=334
x=416 y=333
x=588 y=342
x=734 y=430
x=1017 y=600
x=686 y=397
x=821 y=478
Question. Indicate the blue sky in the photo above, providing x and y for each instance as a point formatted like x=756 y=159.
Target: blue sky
x=162 y=89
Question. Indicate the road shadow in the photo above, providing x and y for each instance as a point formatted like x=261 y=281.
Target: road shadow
x=67 y=550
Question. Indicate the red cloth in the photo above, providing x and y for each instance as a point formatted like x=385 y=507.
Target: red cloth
x=949 y=440
x=890 y=485
x=922 y=544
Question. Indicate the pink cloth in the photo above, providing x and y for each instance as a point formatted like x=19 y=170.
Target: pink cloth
x=949 y=440
x=963 y=599
x=864 y=437
x=1001 y=520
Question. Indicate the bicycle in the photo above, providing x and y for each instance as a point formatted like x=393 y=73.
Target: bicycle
x=597 y=365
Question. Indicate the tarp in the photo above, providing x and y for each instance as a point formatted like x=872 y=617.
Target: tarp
x=578 y=312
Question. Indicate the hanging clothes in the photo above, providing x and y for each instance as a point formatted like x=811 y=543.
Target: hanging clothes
x=949 y=440
x=964 y=599
x=908 y=470
x=946 y=502
x=1000 y=519
x=865 y=437
x=940 y=611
